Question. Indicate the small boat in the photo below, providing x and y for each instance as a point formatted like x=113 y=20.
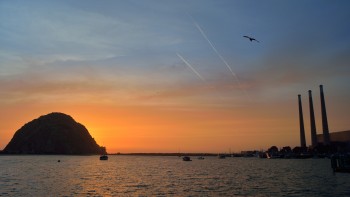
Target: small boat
x=273 y=156
x=200 y=158
x=186 y=158
x=103 y=157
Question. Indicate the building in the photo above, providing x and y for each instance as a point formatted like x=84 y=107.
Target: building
x=341 y=136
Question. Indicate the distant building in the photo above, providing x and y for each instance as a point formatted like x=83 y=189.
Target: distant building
x=341 y=136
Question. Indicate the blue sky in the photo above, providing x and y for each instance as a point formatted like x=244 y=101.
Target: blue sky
x=126 y=52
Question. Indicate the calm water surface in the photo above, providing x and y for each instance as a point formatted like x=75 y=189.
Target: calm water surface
x=168 y=176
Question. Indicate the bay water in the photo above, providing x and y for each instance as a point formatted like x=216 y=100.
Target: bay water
x=123 y=175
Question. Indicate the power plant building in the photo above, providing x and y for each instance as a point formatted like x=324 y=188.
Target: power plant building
x=341 y=136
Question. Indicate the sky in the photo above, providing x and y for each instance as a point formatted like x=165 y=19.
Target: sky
x=176 y=76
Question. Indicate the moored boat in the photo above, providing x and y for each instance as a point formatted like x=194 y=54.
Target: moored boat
x=186 y=158
x=103 y=157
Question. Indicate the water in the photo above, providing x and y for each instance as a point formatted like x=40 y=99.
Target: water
x=168 y=176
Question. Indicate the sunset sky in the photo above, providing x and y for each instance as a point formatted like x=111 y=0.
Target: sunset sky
x=176 y=76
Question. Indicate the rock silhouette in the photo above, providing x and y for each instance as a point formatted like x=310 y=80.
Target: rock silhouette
x=54 y=133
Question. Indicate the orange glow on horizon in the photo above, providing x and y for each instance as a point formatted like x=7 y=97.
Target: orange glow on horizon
x=157 y=129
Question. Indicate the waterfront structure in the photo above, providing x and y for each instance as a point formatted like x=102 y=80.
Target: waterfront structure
x=301 y=121
x=312 y=121
x=326 y=139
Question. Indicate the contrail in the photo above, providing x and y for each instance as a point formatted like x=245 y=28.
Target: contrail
x=214 y=49
x=220 y=56
x=189 y=65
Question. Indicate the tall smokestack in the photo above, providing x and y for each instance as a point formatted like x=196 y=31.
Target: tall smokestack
x=312 y=121
x=301 y=120
x=326 y=139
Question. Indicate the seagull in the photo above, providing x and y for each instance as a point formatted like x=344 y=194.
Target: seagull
x=251 y=39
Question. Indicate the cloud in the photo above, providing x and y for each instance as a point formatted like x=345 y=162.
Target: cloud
x=58 y=31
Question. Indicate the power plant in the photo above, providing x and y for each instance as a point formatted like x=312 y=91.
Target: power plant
x=326 y=138
x=325 y=143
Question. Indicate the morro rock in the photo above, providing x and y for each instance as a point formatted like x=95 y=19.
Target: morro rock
x=54 y=133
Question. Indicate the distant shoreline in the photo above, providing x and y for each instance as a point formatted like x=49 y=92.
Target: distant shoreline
x=166 y=154
x=130 y=154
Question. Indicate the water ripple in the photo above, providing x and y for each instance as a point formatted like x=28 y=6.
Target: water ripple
x=167 y=176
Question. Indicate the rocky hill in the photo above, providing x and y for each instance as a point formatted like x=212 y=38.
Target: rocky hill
x=54 y=133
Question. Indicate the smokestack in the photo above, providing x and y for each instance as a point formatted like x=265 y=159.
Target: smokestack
x=301 y=120
x=326 y=139
x=312 y=121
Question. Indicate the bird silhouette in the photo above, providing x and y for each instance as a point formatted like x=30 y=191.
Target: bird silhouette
x=251 y=39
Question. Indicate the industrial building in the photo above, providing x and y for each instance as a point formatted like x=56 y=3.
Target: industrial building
x=326 y=138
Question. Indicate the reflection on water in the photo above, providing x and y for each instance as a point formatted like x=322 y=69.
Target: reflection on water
x=168 y=176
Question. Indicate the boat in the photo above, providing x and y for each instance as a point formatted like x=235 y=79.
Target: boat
x=340 y=163
x=200 y=158
x=103 y=157
x=186 y=158
x=273 y=156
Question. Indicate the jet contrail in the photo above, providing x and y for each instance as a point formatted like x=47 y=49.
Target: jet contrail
x=189 y=65
x=214 y=49
x=220 y=56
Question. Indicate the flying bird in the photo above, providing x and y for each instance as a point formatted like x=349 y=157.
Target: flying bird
x=251 y=39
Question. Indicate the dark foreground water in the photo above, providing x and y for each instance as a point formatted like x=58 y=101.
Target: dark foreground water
x=168 y=176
